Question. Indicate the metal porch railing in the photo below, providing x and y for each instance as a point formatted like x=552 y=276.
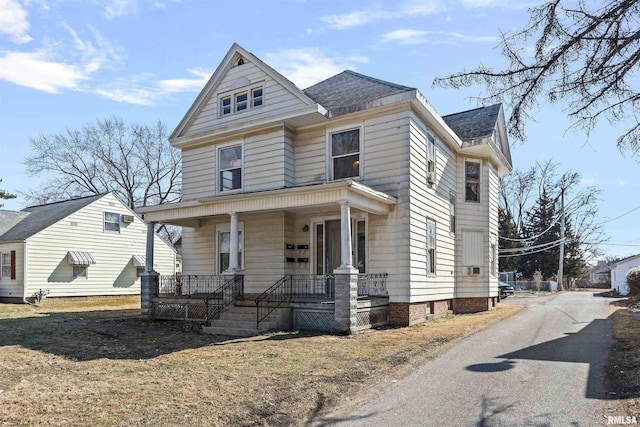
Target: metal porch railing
x=190 y=285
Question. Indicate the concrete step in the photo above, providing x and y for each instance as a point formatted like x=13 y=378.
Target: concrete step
x=234 y=332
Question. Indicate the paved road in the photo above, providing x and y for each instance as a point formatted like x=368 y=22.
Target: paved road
x=542 y=367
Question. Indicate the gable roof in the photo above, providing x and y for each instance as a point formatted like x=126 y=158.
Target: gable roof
x=36 y=218
x=10 y=218
x=235 y=52
x=349 y=92
x=623 y=260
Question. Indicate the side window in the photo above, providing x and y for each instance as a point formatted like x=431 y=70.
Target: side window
x=431 y=154
x=80 y=271
x=431 y=247
x=111 y=222
x=230 y=168
x=345 y=154
x=452 y=212
x=472 y=181
x=6 y=264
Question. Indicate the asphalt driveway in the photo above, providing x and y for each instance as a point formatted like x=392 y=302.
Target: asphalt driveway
x=542 y=367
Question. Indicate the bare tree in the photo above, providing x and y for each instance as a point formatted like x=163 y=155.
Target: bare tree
x=134 y=161
x=585 y=56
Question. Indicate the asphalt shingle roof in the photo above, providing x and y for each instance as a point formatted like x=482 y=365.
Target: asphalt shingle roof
x=10 y=218
x=476 y=123
x=349 y=92
x=37 y=218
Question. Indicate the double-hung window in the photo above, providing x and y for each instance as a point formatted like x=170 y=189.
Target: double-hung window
x=452 y=212
x=472 y=181
x=256 y=97
x=345 y=154
x=225 y=105
x=431 y=154
x=6 y=264
x=241 y=101
x=111 y=221
x=431 y=247
x=230 y=168
x=224 y=247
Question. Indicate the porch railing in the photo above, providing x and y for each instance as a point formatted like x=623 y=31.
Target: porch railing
x=372 y=284
x=298 y=286
x=224 y=296
x=190 y=285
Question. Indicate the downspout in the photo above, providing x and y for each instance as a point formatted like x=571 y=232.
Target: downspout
x=24 y=275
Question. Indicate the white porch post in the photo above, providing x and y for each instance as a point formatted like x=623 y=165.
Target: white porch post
x=345 y=235
x=233 y=243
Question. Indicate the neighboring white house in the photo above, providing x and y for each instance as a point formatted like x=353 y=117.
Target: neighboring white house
x=81 y=247
x=353 y=172
x=619 y=272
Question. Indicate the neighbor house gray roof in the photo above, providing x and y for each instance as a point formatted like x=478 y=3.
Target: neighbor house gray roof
x=36 y=218
x=10 y=218
x=349 y=92
x=473 y=124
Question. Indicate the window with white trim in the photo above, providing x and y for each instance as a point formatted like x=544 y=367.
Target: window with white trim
x=344 y=150
x=6 y=264
x=230 y=168
x=111 y=221
x=452 y=212
x=431 y=154
x=472 y=181
x=80 y=271
x=431 y=247
x=241 y=100
x=493 y=255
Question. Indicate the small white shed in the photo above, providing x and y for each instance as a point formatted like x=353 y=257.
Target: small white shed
x=619 y=272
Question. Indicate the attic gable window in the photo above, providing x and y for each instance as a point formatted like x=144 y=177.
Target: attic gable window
x=112 y=221
x=241 y=100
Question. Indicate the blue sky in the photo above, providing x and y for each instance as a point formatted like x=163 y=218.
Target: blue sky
x=64 y=63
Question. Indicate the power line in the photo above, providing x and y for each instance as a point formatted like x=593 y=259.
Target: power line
x=533 y=237
x=623 y=215
x=524 y=248
x=528 y=253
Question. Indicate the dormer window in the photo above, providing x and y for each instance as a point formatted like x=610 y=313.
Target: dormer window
x=241 y=100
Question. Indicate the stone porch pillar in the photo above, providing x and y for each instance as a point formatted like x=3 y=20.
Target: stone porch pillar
x=346 y=279
x=150 y=279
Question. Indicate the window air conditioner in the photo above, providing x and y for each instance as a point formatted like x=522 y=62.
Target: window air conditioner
x=473 y=271
x=127 y=218
x=431 y=177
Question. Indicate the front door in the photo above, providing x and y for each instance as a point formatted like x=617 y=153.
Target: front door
x=328 y=247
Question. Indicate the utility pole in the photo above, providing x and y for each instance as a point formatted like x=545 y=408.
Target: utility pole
x=561 y=261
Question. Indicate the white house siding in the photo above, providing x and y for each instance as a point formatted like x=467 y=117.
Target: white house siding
x=198 y=172
x=431 y=201
x=113 y=274
x=619 y=274
x=13 y=288
x=276 y=100
x=265 y=163
x=473 y=217
x=310 y=150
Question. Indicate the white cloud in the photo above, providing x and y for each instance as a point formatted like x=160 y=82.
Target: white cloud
x=375 y=13
x=305 y=67
x=588 y=182
x=405 y=36
x=13 y=22
x=37 y=71
x=408 y=36
x=185 y=85
x=118 y=8
x=508 y=4
x=622 y=183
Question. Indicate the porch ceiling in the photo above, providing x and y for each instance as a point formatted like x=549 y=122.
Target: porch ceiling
x=189 y=213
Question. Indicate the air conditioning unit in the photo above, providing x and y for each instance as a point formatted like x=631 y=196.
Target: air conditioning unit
x=473 y=271
x=127 y=218
x=431 y=177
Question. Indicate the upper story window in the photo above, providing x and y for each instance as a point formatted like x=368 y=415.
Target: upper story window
x=472 y=181
x=230 y=168
x=345 y=154
x=452 y=212
x=241 y=100
x=111 y=221
x=431 y=159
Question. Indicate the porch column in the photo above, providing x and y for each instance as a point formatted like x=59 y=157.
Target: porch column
x=233 y=243
x=346 y=279
x=150 y=279
x=345 y=235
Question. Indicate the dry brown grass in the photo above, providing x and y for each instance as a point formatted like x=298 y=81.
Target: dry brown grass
x=623 y=365
x=64 y=364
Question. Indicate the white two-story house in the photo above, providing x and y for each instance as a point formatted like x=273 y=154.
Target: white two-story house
x=352 y=174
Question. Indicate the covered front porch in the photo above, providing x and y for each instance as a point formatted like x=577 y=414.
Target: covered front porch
x=292 y=248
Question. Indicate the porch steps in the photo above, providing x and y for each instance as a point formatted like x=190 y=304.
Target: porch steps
x=240 y=321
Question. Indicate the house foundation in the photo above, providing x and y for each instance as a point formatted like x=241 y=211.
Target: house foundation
x=473 y=305
x=407 y=314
